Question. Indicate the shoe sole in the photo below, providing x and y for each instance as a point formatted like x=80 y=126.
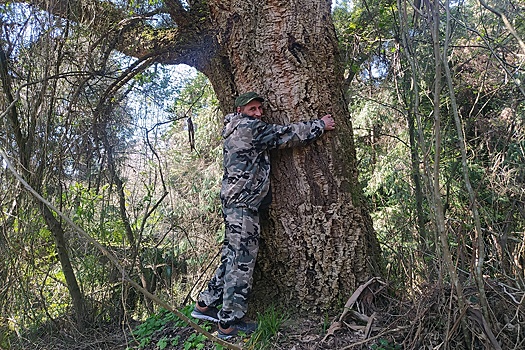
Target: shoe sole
x=203 y=317
x=228 y=336
x=224 y=336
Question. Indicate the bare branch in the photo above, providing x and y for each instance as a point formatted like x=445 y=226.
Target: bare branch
x=506 y=22
x=114 y=260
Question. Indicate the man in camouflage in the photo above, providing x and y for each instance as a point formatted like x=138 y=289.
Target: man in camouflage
x=245 y=186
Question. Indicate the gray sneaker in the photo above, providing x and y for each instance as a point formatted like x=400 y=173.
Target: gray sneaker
x=236 y=328
x=208 y=313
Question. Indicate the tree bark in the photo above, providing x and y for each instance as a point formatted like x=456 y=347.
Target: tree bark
x=318 y=243
x=63 y=256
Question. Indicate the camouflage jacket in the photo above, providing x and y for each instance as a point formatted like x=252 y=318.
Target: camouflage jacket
x=247 y=142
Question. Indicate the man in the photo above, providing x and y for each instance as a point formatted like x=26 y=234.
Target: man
x=245 y=185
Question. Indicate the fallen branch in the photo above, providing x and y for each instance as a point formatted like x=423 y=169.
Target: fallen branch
x=338 y=324
x=369 y=325
x=350 y=303
x=477 y=316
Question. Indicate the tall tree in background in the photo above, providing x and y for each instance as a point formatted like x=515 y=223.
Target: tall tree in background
x=319 y=234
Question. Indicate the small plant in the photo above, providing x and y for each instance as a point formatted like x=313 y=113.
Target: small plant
x=156 y=323
x=269 y=324
x=384 y=344
x=162 y=343
x=326 y=323
x=195 y=341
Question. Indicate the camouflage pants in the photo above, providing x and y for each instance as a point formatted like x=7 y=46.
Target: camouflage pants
x=232 y=281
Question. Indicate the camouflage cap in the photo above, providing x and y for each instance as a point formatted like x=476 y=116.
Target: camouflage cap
x=246 y=98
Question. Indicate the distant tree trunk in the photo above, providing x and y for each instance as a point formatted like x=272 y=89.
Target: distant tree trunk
x=412 y=102
x=24 y=142
x=318 y=243
x=63 y=256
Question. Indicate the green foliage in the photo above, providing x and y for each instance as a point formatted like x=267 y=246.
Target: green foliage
x=162 y=343
x=93 y=212
x=156 y=323
x=269 y=324
x=326 y=323
x=363 y=30
x=195 y=173
x=390 y=100
x=195 y=341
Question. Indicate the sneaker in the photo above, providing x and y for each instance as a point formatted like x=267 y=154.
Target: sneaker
x=207 y=313
x=234 y=329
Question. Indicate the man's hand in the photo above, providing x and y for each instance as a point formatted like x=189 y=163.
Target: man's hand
x=329 y=123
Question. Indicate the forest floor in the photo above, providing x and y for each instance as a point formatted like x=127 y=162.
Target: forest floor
x=294 y=334
x=374 y=319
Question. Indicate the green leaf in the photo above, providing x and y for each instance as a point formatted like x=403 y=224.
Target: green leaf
x=162 y=343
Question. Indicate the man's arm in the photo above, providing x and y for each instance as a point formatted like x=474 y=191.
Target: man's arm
x=268 y=136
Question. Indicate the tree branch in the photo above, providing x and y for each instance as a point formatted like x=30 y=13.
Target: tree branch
x=186 y=40
x=506 y=22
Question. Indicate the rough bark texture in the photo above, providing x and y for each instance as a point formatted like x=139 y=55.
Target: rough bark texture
x=318 y=238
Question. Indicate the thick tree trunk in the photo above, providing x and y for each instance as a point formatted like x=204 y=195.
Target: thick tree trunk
x=318 y=244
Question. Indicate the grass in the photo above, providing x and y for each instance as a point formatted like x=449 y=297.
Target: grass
x=269 y=324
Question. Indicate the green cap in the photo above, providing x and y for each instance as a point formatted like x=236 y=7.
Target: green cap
x=246 y=98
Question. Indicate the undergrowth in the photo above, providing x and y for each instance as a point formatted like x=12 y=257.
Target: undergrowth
x=164 y=330
x=269 y=324
x=158 y=323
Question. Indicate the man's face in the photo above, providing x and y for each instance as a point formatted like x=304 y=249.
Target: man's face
x=252 y=109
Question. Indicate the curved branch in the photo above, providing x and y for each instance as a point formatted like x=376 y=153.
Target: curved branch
x=187 y=39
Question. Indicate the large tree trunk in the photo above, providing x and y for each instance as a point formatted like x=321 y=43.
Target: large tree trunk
x=318 y=243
